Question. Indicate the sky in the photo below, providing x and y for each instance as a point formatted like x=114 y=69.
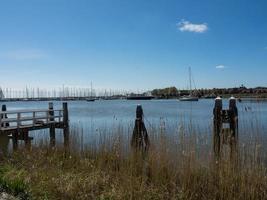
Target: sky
x=133 y=45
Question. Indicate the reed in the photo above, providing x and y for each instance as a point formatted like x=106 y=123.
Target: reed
x=177 y=166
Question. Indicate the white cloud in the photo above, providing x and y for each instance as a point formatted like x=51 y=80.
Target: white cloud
x=220 y=67
x=24 y=54
x=184 y=25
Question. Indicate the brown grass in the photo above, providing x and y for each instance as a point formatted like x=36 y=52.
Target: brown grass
x=181 y=166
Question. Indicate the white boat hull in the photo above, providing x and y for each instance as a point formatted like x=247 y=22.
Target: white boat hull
x=188 y=99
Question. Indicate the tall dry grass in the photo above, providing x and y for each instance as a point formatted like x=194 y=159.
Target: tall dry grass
x=177 y=166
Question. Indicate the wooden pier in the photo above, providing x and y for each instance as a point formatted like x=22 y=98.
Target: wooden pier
x=17 y=123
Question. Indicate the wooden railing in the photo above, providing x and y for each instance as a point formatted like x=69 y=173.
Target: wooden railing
x=17 y=118
x=31 y=118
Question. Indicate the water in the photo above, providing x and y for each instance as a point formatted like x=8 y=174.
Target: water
x=104 y=114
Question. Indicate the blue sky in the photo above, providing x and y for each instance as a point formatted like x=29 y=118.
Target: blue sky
x=138 y=44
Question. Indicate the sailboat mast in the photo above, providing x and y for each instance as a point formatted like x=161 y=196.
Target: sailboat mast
x=91 y=89
x=190 y=80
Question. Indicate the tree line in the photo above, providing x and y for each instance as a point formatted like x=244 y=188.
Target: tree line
x=173 y=92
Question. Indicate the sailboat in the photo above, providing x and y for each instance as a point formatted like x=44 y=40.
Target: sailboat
x=189 y=97
x=91 y=98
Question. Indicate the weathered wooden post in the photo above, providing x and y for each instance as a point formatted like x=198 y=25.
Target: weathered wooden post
x=51 y=111
x=217 y=126
x=233 y=116
x=52 y=126
x=233 y=124
x=4 y=116
x=65 y=114
x=1 y=117
x=26 y=138
x=3 y=137
x=6 y=124
x=227 y=135
x=15 y=135
x=140 y=140
x=66 y=123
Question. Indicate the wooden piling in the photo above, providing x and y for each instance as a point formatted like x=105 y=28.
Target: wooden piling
x=3 y=116
x=65 y=114
x=52 y=128
x=51 y=111
x=140 y=140
x=225 y=135
x=217 y=126
x=27 y=140
x=15 y=140
x=233 y=124
x=66 y=124
x=52 y=133
x=233 y=116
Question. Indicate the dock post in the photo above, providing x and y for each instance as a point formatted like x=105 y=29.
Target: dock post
x=52 y=132
x=52 y=126
x=27 y=139
x=140 y=140
x=51 y=111
x=65 y=114
x=233 y=123
x=140 y=145
x=15 y=140
x=233 y=116
x=66 y=124
x=4 y=116
x=217 y=126
x=4 y=138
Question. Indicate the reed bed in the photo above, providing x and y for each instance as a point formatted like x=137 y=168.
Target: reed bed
x=177 y=166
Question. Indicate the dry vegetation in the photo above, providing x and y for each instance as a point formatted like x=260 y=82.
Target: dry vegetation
x=181 y=166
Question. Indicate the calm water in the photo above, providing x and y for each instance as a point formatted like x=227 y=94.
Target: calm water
x=104 y=114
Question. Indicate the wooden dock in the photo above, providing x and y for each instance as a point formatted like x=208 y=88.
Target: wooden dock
x=17 y=123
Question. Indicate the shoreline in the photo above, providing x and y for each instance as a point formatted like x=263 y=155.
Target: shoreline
x=246 y=98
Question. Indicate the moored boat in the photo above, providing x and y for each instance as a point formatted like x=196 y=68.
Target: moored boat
x=139 y=97
x=90 y=99
x=190 y=97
